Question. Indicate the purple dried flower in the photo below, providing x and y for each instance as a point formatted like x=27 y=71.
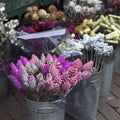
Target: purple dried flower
x=45 y=69
x=62 y=70
x=65 y=77
x=57 y=80
x=77 y=63
x=67 y=65
x=49 y=25
x=24 y=28
x=42 y=26
x=76 y=36
x=16 y=83
x=61 y=59
x=28 y=29
x=65 y=86
x=73 y=80
x=19 y=64
x=54 y=57
x=34 y=59
x=35 y=26
x=48 y=85
x=86 y=74
x=49 y=58
x=14 y=69
x=111 y=6
x=24 y=60
x=19 y=75
x=71 y=29
x=31 y=30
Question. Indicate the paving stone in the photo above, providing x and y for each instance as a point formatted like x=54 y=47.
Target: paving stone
x=108 y=112
x=118 y=110
x=10 y=103
x=104 y=99
x=115 y=90
x=114 y=103
x=118 y=70
x=24 y=118
x=117 y=118
x=100 y=117
x=18 y=113
x=116 y=79
x=4 y=116
x=19 y=97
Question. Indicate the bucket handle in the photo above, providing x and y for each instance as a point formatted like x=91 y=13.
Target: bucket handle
x=45 y=110
x=94 y=81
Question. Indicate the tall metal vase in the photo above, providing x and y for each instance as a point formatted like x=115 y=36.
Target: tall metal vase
x=117 y=58
x=107 y=79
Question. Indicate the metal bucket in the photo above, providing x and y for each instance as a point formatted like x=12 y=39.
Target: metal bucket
x=117 y=58
x=107 y=79
x=82 y=102
x=44 y=111
x=4 y=85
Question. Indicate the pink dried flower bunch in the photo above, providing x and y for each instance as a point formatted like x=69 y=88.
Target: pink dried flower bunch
x=38 y=26
x=48 y=76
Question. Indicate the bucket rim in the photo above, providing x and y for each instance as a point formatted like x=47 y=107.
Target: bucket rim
x=97 y=72
x=52 y=102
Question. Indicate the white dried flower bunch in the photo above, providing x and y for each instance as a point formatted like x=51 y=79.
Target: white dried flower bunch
x=83 y=7
x=7 y=29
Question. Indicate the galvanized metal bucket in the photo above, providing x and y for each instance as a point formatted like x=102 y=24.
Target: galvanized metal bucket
x=4 y=85
x=44 y=111
x=117 y=58
x=107 y=79
x=82 y=102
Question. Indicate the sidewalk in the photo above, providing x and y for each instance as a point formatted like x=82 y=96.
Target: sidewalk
x=109 y=107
